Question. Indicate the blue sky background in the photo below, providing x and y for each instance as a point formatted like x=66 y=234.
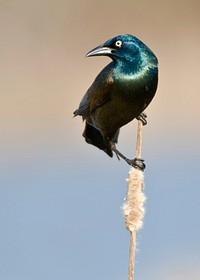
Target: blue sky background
x=60 y=199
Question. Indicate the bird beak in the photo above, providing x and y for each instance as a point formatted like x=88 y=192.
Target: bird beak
x=100 y=50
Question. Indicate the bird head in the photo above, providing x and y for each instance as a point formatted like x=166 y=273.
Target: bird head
x=125 y=48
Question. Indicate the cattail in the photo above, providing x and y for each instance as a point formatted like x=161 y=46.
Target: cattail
x=133 y=208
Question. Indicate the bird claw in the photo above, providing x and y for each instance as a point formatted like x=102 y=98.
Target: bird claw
x=143 y=118
x=137 y=163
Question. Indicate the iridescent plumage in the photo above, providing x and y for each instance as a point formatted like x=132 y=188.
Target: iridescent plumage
x=121 y=91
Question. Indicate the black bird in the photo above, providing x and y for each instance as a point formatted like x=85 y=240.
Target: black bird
x=121 y=91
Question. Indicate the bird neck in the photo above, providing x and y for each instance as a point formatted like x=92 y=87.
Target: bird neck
x=133 y=70
x=135 y=65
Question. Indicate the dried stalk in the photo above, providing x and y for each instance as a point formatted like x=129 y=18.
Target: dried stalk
x=133 y=207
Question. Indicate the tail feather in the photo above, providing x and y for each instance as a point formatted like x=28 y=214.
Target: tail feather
x=93 y=136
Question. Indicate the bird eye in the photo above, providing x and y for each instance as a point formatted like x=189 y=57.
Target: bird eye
x=118 y=43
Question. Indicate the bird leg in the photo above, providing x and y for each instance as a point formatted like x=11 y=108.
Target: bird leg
x=137 y=163
x=143 y=118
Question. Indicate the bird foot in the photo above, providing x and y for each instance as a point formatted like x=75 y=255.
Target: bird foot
x=137 y=163
x=143 y=118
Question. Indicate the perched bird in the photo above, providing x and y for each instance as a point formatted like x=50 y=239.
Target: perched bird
x=121 y=91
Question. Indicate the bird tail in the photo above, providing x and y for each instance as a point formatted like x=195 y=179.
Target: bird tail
x=93 y=136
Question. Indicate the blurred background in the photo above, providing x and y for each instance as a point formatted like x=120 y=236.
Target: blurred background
x=60 y=199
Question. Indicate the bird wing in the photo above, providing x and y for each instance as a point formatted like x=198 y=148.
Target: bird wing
x=98 y=94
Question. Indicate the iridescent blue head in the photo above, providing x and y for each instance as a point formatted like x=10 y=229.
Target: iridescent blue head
x=126 y=49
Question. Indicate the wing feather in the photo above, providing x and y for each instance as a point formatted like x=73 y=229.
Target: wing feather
x=98 y=94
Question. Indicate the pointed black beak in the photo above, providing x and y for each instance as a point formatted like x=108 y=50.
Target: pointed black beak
x=100 y=50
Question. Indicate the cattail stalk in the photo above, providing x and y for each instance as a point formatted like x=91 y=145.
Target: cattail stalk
x=133 y=208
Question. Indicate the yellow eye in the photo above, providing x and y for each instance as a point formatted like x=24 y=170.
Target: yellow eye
x=118 y=43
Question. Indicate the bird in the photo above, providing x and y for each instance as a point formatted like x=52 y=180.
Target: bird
x=120 y=92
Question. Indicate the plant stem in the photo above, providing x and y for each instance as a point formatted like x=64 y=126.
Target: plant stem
x=134 y=206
